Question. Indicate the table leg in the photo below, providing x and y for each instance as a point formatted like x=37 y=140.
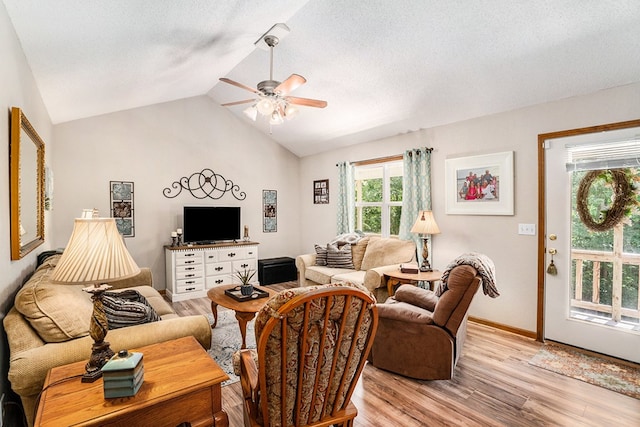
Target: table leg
x=220 y=419
x=214 y=311
x=391 y=282
x=243 y=318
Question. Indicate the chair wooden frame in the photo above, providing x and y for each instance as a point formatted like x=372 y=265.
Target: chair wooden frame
x=253 y=378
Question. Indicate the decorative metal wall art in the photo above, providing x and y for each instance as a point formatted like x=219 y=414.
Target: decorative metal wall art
x=122 y=207
x=270 y=211
x=205 y=184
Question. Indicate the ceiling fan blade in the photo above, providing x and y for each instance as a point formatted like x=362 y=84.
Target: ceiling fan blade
x=292 y=83
x=246 y=101
x=240 y=85
x=307 y=102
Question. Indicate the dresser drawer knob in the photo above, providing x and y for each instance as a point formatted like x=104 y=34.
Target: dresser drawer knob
x=190 y=261
x=190 y=275
x=231 y=254
x=219 y=268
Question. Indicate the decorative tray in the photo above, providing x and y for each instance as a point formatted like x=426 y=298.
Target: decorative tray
x=237 y=295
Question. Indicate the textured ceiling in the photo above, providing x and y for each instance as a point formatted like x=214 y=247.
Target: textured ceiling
x=385 y=67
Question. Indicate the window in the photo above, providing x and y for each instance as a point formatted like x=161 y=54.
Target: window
x=378 y=193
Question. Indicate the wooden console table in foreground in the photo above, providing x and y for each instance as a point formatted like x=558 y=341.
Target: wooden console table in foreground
x=181 y=384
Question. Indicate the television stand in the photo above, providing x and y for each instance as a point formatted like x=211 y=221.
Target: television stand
x=193 y=269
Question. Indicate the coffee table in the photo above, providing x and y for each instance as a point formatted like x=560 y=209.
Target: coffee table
x=396 y=277
x=245 y=310
x=182 y=383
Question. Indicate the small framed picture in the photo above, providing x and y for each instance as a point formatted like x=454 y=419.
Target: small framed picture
x=122 y=206
x=321 y=191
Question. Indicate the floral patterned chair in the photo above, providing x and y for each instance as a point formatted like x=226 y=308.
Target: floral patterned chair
x=312 y=344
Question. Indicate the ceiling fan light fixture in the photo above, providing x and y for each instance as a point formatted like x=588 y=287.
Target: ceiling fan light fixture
x=290 y=111
x=276 y=118
x=251 y=112
x=265 y=106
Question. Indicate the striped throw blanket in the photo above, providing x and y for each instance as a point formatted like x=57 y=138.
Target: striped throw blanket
x=482 y=264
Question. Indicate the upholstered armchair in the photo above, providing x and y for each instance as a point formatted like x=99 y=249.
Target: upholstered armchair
x=312 y=344
x=420 y=335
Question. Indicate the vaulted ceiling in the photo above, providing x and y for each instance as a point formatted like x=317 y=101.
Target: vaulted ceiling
x=384 y=67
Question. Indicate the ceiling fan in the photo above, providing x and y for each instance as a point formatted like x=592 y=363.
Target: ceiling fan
x=273 y=98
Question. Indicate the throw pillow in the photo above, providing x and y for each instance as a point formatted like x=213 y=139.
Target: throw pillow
x=357 y=252
x=58 y=313
x=321 y=255
x=127 y=308
x=387 y=251
x=339 y=257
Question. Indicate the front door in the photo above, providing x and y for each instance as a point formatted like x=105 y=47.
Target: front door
x=591 y=289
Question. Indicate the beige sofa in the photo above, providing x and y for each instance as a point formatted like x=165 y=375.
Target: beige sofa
x=49 y=323
x=372 y=257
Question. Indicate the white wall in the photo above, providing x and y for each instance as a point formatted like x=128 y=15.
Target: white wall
x=157 y=145
x=17 y=89
x=515 y=256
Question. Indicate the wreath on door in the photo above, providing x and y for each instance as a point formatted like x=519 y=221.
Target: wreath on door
x=624 y=201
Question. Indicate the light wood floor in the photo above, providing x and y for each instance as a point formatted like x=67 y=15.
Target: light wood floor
x=494 y=385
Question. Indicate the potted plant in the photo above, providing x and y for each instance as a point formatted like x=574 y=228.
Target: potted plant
x=245 y=276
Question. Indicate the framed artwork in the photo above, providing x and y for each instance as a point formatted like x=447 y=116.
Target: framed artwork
x=269 y=211
x=321 y=191
x=122 y=206
x=480 y=185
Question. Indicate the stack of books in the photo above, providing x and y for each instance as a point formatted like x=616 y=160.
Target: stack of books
x=409 y=268
x=123 y=375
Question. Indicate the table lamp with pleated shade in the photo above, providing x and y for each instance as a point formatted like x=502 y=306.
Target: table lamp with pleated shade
x=425 y=225
x=95 y=255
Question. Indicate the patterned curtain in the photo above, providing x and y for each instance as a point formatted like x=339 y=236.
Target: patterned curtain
x=416 y=193
x=346 y=199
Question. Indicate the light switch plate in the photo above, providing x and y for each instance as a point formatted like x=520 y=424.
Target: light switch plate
x=527 y=229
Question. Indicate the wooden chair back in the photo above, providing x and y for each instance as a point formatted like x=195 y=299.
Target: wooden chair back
x=312 y=344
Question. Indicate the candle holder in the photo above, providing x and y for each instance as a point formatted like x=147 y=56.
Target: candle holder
x=179 y=232
x=173 y=240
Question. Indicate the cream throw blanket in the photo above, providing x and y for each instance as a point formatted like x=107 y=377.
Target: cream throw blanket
x=482 y=264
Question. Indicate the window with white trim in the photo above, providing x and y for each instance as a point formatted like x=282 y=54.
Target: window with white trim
x=378 y=193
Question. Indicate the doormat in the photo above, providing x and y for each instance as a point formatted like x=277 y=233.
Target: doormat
x=618 y=377
x=226 y=340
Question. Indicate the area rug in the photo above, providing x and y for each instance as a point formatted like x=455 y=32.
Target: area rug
x=226 y=340
x=602 y=372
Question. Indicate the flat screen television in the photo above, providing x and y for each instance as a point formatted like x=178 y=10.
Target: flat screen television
x=210 y=224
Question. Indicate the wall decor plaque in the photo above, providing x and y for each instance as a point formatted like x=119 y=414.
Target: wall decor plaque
x=122 y=206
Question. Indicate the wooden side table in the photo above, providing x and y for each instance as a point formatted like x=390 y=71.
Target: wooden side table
x=399 y=278
x=245 y=310
x=182 y=383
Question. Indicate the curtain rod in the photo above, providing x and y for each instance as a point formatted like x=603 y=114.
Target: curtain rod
x=384 y=159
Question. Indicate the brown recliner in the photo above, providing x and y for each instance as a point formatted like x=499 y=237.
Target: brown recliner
x=420 y=335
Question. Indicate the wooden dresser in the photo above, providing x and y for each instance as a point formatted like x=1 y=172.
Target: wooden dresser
x=181 y=384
